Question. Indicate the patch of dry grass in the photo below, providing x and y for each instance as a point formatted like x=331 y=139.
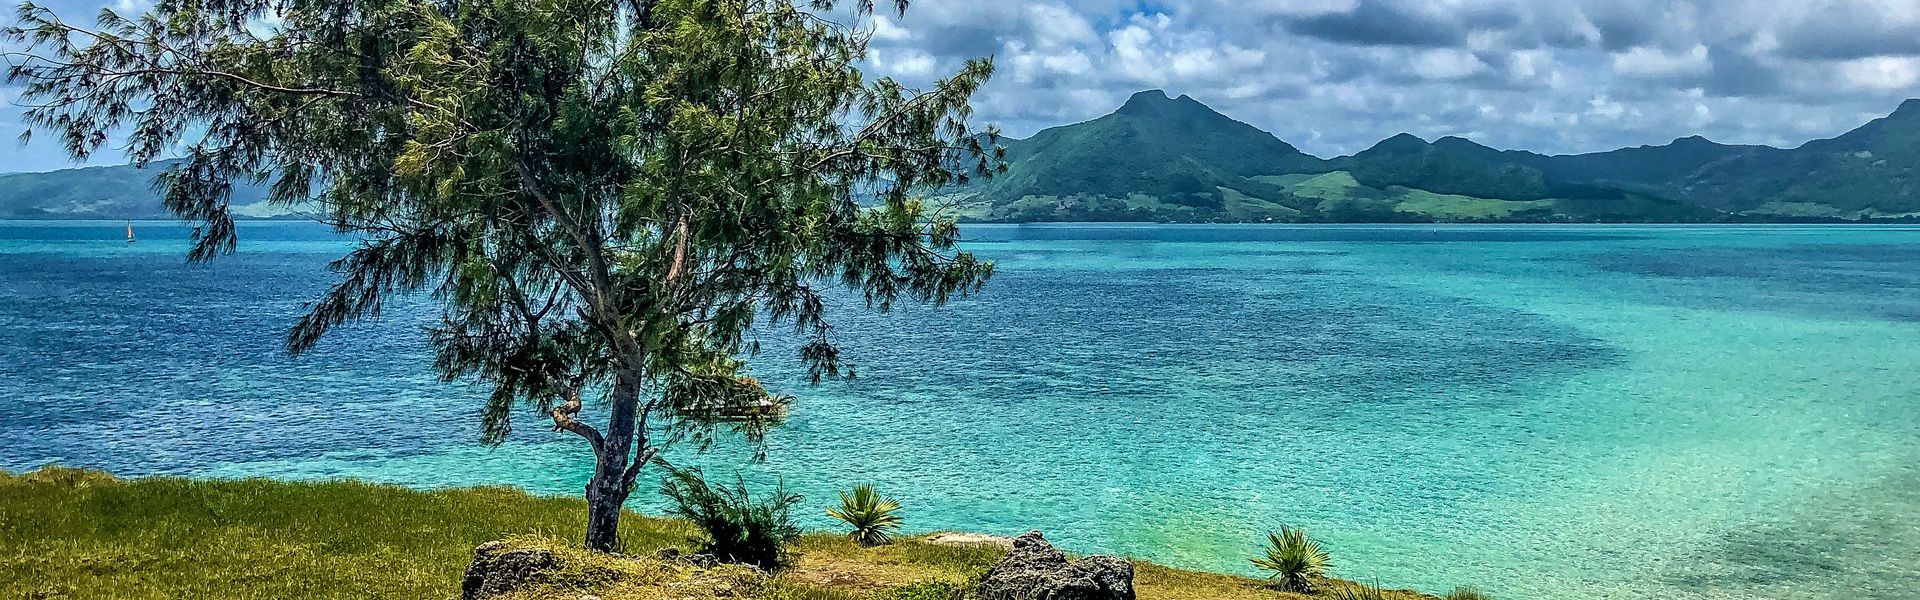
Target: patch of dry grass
x=69 y=533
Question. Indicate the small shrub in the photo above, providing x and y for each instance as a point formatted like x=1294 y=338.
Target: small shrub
x=1466 y=592
x=870 y=515
x=739 y=530
x=1292 y=560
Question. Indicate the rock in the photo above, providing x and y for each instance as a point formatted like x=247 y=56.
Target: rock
x=498 y=569
x=1035 y=570
x=960 y=538
x=1110 y=573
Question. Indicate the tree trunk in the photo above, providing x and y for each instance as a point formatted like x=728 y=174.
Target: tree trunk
x=607 y=491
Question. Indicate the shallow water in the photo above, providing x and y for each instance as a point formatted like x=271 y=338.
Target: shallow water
x=1542 y=411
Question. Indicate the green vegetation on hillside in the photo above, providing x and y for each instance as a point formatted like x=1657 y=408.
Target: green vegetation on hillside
x=1173 y=149
x=1335 y=197
x=1175 y=160
x=1872 y=171
x=1643 y=166
x=1449 y=166
x=73 y=534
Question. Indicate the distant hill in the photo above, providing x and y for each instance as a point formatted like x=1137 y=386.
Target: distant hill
x=1642 y=166
x=1156 y=158
x=1173 y=159
x=116 y=192
x=1866 y=173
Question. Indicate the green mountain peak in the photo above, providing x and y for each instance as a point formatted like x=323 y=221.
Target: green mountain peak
x=1173 y=148
x=1146 y=98
x=1908 y=109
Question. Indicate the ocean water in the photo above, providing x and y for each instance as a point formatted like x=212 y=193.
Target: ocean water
x=1582 y=412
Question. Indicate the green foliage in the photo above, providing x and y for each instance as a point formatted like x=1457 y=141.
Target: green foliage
x=1292 y=560
x=1467 y=593
x=608 y=199
x=870 y=515
x=737 y=528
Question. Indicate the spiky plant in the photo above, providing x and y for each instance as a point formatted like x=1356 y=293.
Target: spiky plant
x=1467 y=592
x=1292 y=559
x=870 y=515
x=739 y=529
x=1360 y=591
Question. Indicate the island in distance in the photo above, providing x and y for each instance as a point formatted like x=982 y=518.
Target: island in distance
x=1165 y=159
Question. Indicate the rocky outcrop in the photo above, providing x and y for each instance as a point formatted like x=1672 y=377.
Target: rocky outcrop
x=964 y=539
x=535 y=567
x=1035 y=570
x=499 y=568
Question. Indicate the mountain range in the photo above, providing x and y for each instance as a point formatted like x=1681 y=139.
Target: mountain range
x=115 y=192
x=1173 y=159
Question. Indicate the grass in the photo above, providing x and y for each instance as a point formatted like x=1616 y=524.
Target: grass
x=67 y=533
x=1338 y=185
x=1457 y=207
x=1239 y=205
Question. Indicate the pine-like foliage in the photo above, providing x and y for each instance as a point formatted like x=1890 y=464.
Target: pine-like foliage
x=738 y=529
x=606 y=198
x=870 y=515
x=1292 y=560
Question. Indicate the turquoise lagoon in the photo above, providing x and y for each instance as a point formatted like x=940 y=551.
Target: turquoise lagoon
x=1542 y=411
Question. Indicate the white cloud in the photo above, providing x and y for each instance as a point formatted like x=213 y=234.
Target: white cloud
x=884 y=29
x=1882 y=73
x=907 y=64
x=1150 y=50
x=1650 y=62
x=1446 y=63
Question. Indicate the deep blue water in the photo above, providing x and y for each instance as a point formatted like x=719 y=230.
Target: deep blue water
x=1542 y=411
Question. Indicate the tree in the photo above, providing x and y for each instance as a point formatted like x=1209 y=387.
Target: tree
x=609 y=199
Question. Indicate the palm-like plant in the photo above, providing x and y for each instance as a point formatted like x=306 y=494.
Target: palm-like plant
x=870 y=515
x=1292 y=559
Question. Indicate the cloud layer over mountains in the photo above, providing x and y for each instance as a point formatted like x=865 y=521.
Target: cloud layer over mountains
x=1333 y=76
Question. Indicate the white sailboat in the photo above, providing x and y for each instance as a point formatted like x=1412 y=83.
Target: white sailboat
x=129 y=231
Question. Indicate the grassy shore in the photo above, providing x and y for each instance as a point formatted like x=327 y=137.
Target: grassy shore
x=67 y=533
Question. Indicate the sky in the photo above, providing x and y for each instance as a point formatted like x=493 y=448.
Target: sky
x=1335 y=76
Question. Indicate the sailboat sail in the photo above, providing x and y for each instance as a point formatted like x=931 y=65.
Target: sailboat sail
x=129 y=231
